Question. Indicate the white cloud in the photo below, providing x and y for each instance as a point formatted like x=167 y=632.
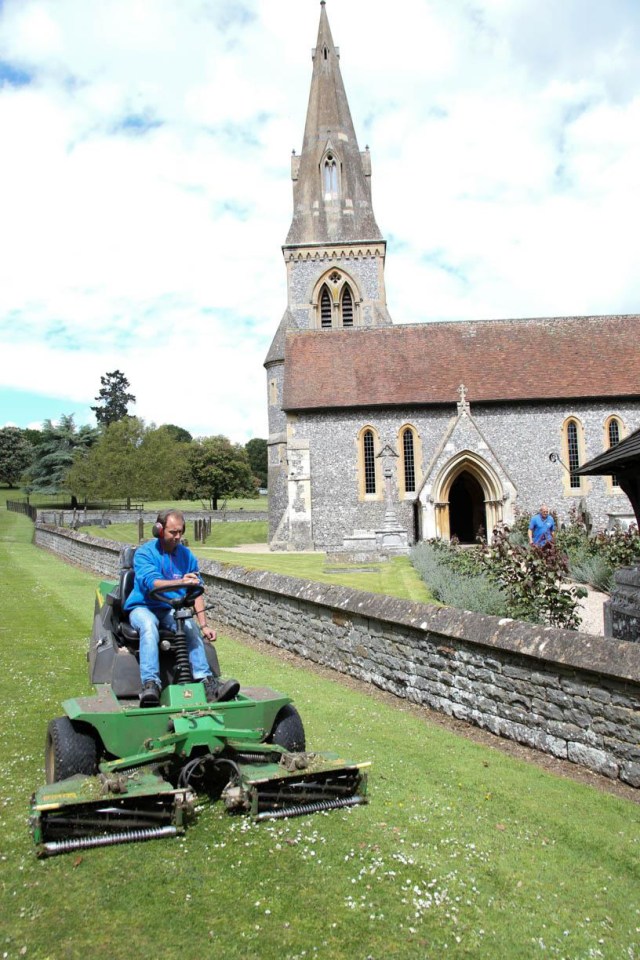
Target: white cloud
x=144 y=179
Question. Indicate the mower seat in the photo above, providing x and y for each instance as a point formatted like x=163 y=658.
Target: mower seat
x=125 y=634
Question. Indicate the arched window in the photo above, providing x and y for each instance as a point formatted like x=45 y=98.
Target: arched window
x=409 y=461
x=573 y=447
x=330 y=177
x=347 y=307
x=613 y=438
x=369 y=462
x=325 y=308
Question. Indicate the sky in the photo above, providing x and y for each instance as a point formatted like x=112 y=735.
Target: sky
x=145 y=188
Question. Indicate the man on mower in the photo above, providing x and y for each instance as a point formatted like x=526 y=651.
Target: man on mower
x=160 y=564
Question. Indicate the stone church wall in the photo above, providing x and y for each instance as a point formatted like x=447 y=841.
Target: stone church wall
x=524 y=436
x=520 y=436
x=573 y=696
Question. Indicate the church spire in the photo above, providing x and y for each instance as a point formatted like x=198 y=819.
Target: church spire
x=331 y=177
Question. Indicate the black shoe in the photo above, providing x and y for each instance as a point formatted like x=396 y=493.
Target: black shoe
x=150 y=696
x=218 y=692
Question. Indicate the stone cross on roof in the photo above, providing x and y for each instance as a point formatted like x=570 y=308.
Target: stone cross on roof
x=463 y=403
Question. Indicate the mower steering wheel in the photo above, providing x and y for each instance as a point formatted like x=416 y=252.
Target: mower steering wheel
x=192 y=592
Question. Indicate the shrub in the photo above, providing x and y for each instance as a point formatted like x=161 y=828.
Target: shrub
x=533 y=581
x=444 y=568
x=592 y=570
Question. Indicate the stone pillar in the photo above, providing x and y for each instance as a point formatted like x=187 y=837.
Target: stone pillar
x=299 y=490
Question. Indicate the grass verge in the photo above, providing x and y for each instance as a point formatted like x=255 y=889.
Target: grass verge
x=396 y=578
x=462 y=851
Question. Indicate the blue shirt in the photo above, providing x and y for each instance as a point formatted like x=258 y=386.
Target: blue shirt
x=150 y=563
x=542 y=529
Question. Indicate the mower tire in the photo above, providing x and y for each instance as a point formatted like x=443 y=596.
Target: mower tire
x=288 y=730
x=70 y=748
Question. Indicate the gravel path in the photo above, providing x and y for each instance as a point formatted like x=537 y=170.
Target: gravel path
x=592 y=613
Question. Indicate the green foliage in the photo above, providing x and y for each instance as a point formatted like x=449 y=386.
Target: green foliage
x=503 y=579
x=217 y=468
x=113 y=399
x=592 y=570
x=462 y=852
x=620 y=548
x=594 y=559
x=16 y=454
x=55 y=453
x=457 y=579
x=534 y=581
x=130 y=461
x=258 y=458
x=177 y=433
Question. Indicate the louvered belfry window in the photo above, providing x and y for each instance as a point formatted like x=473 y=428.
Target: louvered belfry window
x=325 y=308
x=347 y=308
x=369 y=462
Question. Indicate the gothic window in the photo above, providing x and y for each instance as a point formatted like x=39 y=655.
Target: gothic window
x=409 y=461
x=573 y=440
x=347 y=307
x=335 y=301
x=325 y=308
x=613 y=437
x=574 y=453
x=330 y=177
x=368 y=456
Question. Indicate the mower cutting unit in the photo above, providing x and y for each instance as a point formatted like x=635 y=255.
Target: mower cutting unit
x=118 y=773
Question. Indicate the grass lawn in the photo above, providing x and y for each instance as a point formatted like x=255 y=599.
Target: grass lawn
x=396 y=578
x=462 y=851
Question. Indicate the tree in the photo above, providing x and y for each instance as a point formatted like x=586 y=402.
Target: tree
x=114 y=399
x=130 y=461
x=178 y=433
x=217 y=468
x=258 y=458
x=55 y=453
x=16 y=454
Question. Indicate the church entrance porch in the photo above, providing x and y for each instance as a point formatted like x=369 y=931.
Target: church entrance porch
x=466 y=500
x=467 y=514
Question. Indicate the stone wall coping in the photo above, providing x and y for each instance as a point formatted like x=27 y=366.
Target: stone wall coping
x=603 y=655
x=572 y=650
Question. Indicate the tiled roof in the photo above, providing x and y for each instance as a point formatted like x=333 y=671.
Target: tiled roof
x=497 y=360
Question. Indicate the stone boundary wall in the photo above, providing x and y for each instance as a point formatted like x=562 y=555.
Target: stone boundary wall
x=571 y=695
x=65 y=518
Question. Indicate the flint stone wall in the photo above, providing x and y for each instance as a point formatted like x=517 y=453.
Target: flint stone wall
x=574 y=696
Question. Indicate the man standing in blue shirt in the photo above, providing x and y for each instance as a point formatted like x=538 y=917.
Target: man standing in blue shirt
x=542 y=529
x=165 y=562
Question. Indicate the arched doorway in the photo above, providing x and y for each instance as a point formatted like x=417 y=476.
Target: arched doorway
x=466 y=497
x=467 y=514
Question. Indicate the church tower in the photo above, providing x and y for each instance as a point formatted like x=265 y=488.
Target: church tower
x=334 y=255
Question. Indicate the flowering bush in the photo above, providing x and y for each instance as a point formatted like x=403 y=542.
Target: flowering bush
x=534 y=581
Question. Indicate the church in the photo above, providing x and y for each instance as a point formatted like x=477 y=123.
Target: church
x=383 y=434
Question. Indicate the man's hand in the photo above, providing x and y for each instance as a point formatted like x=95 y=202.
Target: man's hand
x=191 y=579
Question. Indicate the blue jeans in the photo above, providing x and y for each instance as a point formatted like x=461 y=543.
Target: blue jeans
x=147 y=623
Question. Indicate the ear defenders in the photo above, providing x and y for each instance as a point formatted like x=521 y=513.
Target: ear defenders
x=157 y=530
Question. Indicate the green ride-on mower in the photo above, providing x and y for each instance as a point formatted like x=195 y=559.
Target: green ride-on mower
x=117 y=772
